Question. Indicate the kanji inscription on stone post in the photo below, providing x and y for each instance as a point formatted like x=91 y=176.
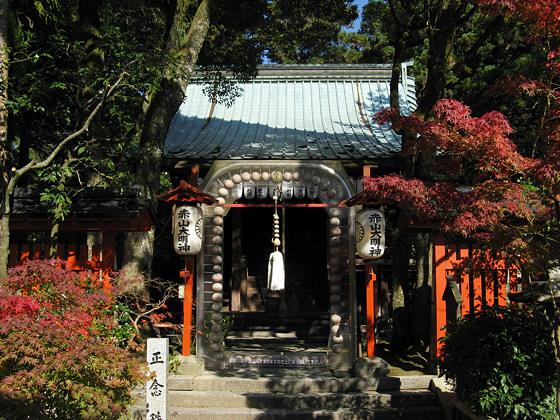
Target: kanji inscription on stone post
x=156 y=387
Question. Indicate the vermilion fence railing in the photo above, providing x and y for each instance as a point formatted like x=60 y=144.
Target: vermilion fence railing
x=77 y=257
x=485 y=281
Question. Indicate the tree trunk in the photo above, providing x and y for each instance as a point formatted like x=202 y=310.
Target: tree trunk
x=396 y=69
x=4 y=67
x=138 y=253
x=400 y=291
x=422 y=292
x=176 y=76
x=439 y=52
x=412 y=320
x=4 y=145
x=442 y=28
x=4 y=244
x=165 y=103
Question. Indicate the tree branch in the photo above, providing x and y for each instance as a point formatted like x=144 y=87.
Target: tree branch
x=33 y=165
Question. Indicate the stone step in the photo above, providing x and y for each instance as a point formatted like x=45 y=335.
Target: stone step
x=306 y=383
x=308 y=401
x=253 y=320
x=219 y=413
x=295 y=394
x=312 y=335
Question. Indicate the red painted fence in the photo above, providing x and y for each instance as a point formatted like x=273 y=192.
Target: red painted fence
x=76 y=257
x=485 y=283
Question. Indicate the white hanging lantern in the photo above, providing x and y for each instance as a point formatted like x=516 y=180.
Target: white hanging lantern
x=249 y=190
x=187 y=230
x=262 y=191
x=370 y=233
x=274 y=191
x=237 y=191
x=299 y=190
x=312 y=191
x=287 y=190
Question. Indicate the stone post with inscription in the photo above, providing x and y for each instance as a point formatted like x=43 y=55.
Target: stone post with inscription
x=156 y=388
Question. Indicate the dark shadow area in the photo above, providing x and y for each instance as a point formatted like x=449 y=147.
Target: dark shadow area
x=265 y=323
x=13 y=408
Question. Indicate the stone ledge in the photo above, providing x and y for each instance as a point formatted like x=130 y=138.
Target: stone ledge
x=453 y=407
x=371 y=367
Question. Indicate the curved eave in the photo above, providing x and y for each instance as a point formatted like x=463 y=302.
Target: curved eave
x=313 y=116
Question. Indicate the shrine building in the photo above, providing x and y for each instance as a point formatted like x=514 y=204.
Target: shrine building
x=278 y=259
x=285 y=262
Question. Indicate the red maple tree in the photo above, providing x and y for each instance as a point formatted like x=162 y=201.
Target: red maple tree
x=61 y=354
x=481 y=186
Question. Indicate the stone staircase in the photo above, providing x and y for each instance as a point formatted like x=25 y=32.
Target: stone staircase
x=312 y=325
x=297 y=394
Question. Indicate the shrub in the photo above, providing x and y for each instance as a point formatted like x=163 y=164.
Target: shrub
x=502 y=363
x=61 y=354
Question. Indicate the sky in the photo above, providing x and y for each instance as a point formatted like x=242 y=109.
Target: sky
x=360 y=4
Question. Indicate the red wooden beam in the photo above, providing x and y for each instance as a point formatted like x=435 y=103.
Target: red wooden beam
x=440 y=283
x=371 y=277
x=188 y=275
x=186 y=193
x=278 y=205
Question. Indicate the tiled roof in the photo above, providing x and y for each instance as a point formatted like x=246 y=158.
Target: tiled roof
x=293 y=112
x=90 y=202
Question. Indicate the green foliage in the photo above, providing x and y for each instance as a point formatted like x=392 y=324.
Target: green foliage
x=165 y=183
x=378 y=25
x=350 y=47
x=174 y=363
x=54 y=191
x=232 y=43
x=122 y=331
x=61 y=351
x=299 y=31
x=502 y=363
x=227 y=324
x=63 y=56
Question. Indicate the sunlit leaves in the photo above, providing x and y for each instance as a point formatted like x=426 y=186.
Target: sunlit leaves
x=59 y=356
x=298 y=30
x=511 y=371
x=479 y=168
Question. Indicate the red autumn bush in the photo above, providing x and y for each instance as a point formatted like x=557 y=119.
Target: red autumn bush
x=59 y=357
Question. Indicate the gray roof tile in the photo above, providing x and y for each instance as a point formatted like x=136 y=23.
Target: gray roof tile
x=293 y=112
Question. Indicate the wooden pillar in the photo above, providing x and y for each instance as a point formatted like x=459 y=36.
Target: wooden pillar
x=371 y=277
x=238 y=300
x=193 y=176
x=440 y=283
x=188 y=275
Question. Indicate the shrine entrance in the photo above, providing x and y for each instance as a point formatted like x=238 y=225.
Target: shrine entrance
x=304 y=247
x=311 y=318
x=264 y=321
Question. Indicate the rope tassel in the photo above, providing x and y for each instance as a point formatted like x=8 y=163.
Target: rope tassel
x=276 y=275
